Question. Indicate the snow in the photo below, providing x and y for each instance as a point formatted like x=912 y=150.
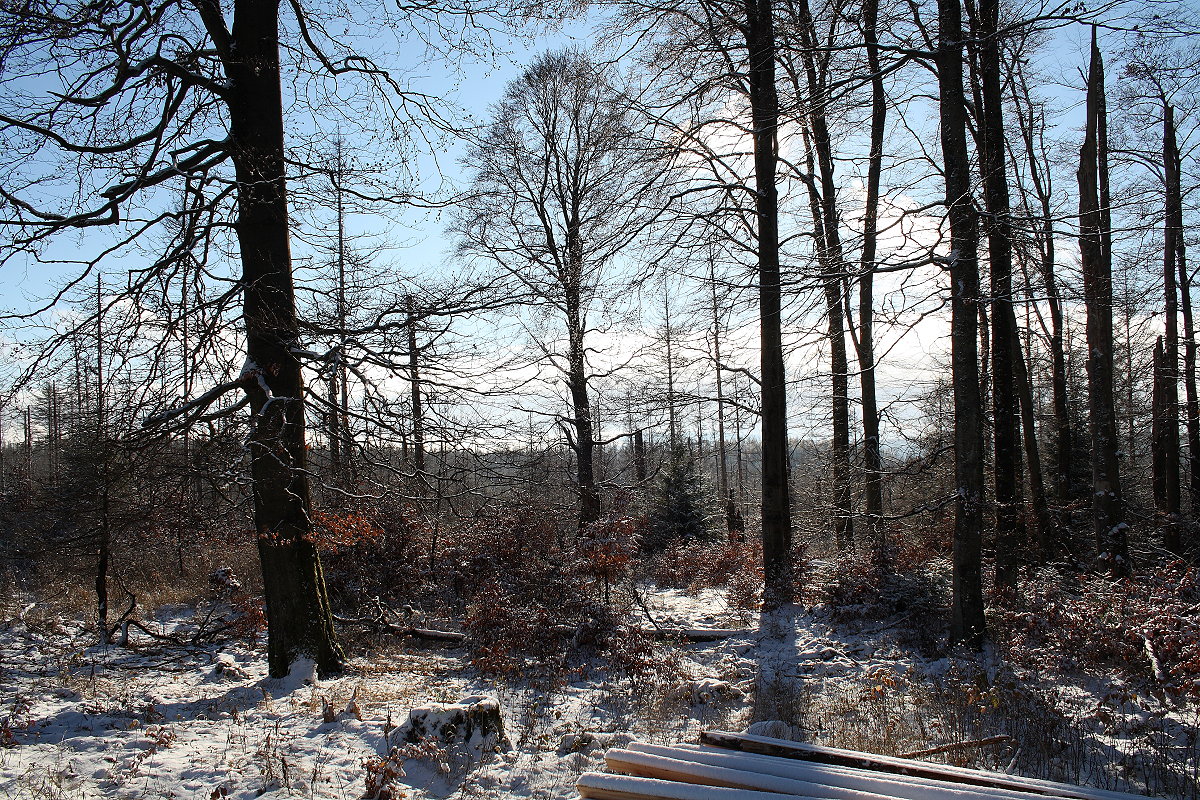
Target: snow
x=82 y=721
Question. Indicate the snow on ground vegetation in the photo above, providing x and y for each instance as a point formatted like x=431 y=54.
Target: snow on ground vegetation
x=157 y=720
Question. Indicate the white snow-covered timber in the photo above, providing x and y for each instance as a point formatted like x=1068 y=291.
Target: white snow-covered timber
x=602 y=786
x=649 y=765
x=846 y=778
x=887 y=764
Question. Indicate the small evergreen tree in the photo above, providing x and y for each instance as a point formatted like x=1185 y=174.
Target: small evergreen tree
x=680 y=507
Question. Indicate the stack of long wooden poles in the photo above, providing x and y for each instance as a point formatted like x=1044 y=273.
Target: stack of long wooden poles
x=731 y=766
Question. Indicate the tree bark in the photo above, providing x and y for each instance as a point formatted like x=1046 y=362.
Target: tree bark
x=872 y=457
x=299 y=623
x=1044 y=531
x=104 y=530
x=967 y=620
x=414 y=382
x=1006 y=476
x=1172 y=234
x=1158 y=443
x=759 y=32
x=584 y=444
x=1108 y=508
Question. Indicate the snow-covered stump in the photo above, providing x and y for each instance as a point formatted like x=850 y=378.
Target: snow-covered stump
x=473 y=723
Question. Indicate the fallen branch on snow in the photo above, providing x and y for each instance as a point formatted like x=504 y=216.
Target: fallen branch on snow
x=949 y=748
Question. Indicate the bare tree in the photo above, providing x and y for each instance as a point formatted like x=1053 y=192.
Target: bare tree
x=104 y=108
x=565 y=180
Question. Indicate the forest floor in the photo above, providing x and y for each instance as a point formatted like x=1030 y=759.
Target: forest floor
x=156 y=721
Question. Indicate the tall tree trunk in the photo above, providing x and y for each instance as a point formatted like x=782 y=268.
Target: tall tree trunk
x=759 y=31
x=333 y=424
x=104 y=530
x=872 y=456
x=1172 y=234
x=414 y=382
x=1108 y=508
x=299 y=622
x=1006 y=476
x=826 y=225
x=342 y=401
x=967 y=621
x=1043 y=533
x=672 y=412
x=639 y=456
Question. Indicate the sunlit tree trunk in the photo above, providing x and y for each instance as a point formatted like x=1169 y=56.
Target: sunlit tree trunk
x=299 y=622
x=759 y=31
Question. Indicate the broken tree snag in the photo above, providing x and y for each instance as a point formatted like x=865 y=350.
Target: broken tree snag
x=472 y=722
x=782 y=748
x=1095 y=258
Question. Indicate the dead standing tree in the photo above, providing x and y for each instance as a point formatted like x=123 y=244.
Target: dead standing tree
x=1095 y=250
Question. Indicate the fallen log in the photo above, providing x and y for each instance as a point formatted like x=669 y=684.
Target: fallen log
x=764 y=745
x=700 y=634
x=949 y=748
x=453 y=637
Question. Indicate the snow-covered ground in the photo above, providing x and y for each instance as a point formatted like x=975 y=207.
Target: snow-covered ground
x=156 y=721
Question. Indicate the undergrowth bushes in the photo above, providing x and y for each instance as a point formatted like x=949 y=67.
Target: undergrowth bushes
x=690 y=565
x=1145 y=628
x=535 y=594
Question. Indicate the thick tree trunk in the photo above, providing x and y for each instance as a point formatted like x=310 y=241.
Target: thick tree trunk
x=1108 y=508
x=764 y=109
x=639 y=456
x=1005 y=405
x=584 y=444
x=299 y=623
x=967 y=621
